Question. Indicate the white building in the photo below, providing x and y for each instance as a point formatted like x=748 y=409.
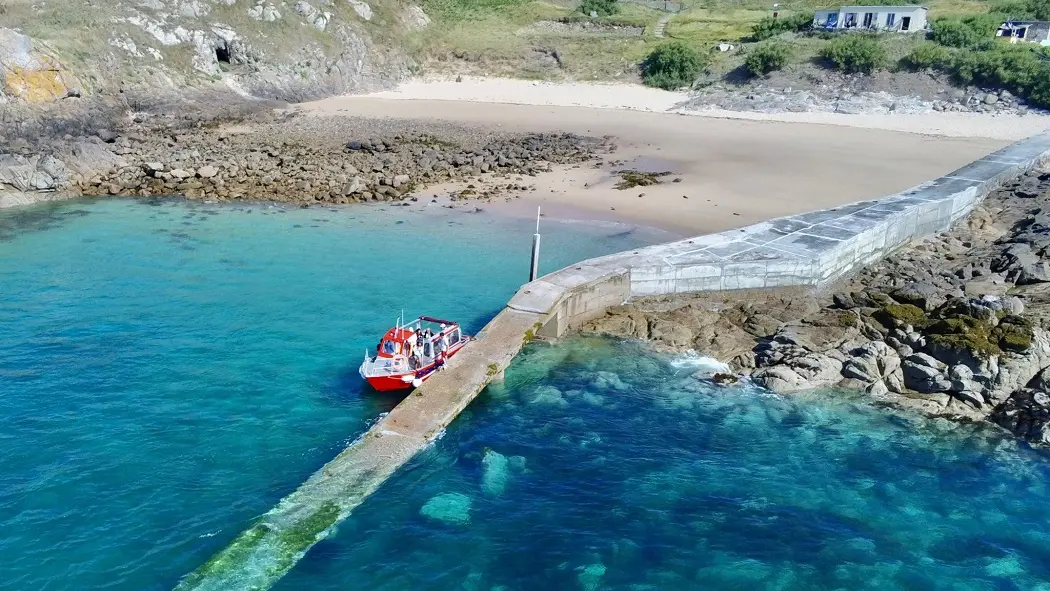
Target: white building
x=904 y=19
x=1026 y=31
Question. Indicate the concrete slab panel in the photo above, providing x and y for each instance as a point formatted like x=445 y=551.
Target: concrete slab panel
x=828 y=231
x=727 y=250
x=788 y=225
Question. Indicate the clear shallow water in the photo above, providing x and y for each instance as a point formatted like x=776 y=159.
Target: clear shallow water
x=170 y=371
x=167 y=373
x=618 y=471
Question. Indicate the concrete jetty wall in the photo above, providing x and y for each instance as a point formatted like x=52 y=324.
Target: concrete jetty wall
x=803 y=250
x=809 y=249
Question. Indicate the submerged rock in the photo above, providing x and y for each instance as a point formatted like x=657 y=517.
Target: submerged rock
x=590 y=578
x=453 y=508
x=607 y=380
x=495 y=473
x=548 y=395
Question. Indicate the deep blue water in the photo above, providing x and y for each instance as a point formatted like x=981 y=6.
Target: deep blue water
x=623 y=472
x=169 y=372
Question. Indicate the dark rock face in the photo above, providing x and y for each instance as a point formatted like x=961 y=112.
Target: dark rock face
x=1026 y=414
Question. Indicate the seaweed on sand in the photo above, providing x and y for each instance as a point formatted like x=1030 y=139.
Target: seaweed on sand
x=636 y=178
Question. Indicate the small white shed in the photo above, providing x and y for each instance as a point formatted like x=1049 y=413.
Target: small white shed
x=902 y=19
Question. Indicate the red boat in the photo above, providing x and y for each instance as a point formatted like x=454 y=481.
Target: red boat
x=409 y=354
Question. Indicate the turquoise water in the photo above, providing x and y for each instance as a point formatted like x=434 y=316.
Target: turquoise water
x=616 y=470
x=168 y=372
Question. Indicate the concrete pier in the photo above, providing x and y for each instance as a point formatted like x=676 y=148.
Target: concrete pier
x=803 y=250
x=267 y=550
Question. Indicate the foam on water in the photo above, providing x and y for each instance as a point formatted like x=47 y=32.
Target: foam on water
x=699 y=363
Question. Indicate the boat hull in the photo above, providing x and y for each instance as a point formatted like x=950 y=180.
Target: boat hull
x=388 y=383
x=392 y=382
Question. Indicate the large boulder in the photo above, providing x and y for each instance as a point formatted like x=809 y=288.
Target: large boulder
x=1013 y=371
x=1021 y=265
x=1026 y=414
x=805 y=372
x=877 y=365
x=39 y=173
x=922 y=373
x=921 y=295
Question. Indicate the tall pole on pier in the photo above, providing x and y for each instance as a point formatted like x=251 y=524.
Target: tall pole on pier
x=535 y=249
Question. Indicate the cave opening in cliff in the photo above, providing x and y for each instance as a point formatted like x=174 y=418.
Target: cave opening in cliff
x=222 y=53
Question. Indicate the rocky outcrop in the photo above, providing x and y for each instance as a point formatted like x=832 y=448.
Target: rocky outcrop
x=31 y=75
x=281 y=162
x=877 y=366
x=956 y=326
x=1026 y=414
x=815 y=90
x=289 y=51
x=378 y=169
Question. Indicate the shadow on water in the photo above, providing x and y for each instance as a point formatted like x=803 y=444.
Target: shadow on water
x=349 y=387
x=36 y=218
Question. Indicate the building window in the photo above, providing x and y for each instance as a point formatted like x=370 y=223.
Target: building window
x=1021 y=32
x=869 y=18
x=851 y=20
x=905 y=23
x=891 y=19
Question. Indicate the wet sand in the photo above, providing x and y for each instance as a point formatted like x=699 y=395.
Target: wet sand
x=733 y=172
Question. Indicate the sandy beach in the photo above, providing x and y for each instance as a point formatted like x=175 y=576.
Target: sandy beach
x=732 y=172
x=641 y=98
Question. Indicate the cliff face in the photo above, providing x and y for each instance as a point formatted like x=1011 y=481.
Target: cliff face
x=269 y=49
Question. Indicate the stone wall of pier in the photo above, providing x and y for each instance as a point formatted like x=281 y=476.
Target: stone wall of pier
x=810 y=249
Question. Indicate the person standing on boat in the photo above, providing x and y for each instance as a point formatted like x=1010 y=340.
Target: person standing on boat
x=442 y=349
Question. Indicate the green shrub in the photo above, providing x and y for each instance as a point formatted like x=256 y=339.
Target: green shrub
x=599 y=7
x=855 y=53
x=770 y=27
x=953 y=33
x=1017 y=68
x=1034 y=10
x=671 y=66
x=929 y=56
x=767 y=58
x=971 y=31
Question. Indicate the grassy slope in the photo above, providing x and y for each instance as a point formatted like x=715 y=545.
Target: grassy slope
x=491 y=36
x=466 y=36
